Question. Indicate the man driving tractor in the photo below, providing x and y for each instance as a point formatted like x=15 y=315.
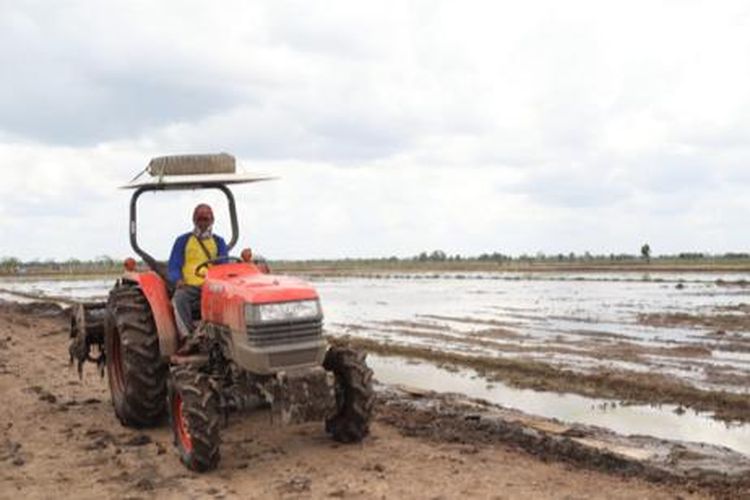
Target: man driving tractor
x=188 y=252
x=259 y=339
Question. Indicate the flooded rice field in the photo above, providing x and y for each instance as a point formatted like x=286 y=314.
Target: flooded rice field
x=580 y=322
x=657 y=354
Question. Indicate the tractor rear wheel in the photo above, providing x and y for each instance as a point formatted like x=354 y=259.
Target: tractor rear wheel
x=194 y=417
x=136 y=372
x=354 y=395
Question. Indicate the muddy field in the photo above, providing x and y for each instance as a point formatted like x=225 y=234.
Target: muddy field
x=679 y=339
x=689 y=327
x=59 y=438
x=571 y=351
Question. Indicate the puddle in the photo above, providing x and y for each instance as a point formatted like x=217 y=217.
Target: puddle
x=661 y=422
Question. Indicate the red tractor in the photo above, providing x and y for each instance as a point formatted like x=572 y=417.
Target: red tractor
x=259 y=337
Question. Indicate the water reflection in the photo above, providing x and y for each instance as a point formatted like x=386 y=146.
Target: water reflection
x=661 y=422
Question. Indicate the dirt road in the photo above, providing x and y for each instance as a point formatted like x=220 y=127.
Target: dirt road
x=59 y=438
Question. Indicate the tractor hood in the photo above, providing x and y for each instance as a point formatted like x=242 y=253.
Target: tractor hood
x=265 y=288
x=246 y=282
x=230 y=286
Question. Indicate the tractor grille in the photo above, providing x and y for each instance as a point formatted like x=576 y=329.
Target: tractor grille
x=284 y=333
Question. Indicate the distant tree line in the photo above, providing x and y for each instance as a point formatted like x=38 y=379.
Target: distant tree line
x=106 y=264
x=101 y=264
x=645 y=254
x=441 y=256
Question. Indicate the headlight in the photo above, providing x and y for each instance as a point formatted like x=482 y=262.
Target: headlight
x=282 y=311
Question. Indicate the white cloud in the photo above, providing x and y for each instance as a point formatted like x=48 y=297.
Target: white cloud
x=397 y=126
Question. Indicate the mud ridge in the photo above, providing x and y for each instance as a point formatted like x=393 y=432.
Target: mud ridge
x=722 y=322
x=44 y=309
x=527 y=374
x=456 y=419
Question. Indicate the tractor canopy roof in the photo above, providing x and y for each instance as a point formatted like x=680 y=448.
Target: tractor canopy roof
x=192 y=172
x=205 y=171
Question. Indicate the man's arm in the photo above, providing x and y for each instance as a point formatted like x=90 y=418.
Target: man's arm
x=221 y=247
x=177 y=260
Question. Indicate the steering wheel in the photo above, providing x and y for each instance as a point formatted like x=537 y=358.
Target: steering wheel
x=217 y=260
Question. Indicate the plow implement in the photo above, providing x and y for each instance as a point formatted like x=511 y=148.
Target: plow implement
x=87 y=322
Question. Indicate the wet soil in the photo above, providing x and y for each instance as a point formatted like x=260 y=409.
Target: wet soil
x=739 y=321
x=624 y=385
x=599 y=345
x=455 y=418
x=59 y=438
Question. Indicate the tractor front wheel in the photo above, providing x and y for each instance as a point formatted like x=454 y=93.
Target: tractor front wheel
x=354 y=395
x=136 y=372
x=194 y=417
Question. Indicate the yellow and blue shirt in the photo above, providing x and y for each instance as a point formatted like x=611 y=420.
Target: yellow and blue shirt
x=187 y=254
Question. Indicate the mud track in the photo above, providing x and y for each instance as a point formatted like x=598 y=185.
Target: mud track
x=59 y=438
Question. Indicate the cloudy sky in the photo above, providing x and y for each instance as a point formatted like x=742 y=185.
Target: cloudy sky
x=394 y=127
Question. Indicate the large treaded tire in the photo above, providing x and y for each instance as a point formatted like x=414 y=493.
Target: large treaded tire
x=194 y=418
x=136 y=372
x=355 y=397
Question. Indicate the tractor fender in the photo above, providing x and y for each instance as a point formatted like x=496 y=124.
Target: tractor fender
x=155 y=290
